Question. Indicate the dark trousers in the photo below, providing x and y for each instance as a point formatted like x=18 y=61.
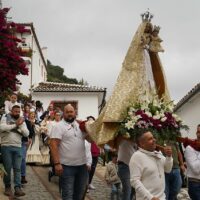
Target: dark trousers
x=93 y=167
x=73 y=182
x=173 y=183
x=124 y=174
x=194 y=190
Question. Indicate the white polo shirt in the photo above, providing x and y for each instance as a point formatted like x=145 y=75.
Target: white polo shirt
x=192 y=158
x=72 y=144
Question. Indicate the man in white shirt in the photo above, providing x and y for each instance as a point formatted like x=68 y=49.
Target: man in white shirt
x=192 y=158
x=68 y=152
x=147 y=168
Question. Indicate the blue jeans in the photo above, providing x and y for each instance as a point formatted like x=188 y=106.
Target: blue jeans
x=173 y=183
x=12 y=158
x=124 y=175
x=73 y=182
x=23 y=165
x=194 y=190
x=115 y=191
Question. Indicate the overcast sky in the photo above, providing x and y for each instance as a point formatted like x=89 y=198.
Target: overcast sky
x=90 y=38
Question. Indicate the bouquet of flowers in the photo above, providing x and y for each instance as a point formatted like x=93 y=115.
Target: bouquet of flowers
x=155 y=115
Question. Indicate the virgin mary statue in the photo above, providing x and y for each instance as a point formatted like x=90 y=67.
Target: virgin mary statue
x=141 y=72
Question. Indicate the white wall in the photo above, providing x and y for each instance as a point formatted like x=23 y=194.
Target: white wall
x=87 y=102
x=190 y=114
x=37 y=70
x=26 y=82
x=38 y=67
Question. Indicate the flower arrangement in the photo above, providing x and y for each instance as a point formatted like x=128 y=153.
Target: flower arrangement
x=155 y=115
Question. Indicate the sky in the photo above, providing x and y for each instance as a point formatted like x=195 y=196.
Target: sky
x=90 y=38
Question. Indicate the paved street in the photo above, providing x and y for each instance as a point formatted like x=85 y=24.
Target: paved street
x=39 y=188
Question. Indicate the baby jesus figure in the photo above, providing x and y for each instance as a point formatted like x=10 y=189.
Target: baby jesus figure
x=154 y=45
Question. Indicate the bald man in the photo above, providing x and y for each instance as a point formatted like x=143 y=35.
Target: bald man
x=147 y=167
x=68 y=152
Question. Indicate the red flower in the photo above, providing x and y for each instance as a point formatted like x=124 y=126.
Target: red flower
x=11 y=63
x=82 y=125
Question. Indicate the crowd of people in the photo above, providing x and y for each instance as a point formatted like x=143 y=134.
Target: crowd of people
x=140 y=170
x=26 y=131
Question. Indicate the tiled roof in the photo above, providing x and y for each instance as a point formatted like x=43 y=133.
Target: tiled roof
x=65 y=87
x=190 y=94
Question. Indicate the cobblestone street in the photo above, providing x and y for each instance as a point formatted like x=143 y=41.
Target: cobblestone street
x=35 y=189
x=39 y=188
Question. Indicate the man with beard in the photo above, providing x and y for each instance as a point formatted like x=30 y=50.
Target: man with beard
x=68 y=152
x=12 y=128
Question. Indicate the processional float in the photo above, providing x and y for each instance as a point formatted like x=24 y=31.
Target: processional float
x=140 y=98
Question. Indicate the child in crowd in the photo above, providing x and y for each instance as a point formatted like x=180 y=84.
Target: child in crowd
x=112 y=178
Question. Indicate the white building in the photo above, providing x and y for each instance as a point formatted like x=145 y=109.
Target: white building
x=87 y=100
x=188 y=108
x=34 y=56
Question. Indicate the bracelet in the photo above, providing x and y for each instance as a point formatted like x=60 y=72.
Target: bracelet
x=57 y=163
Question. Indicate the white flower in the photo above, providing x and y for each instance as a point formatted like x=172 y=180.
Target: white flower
x=163 y=119
x=144 y=107
x=138 y=117
x=129 y=124
x=156 y=103
x=148 y=113
x=176 y=117
x=131 y=109
x=157 y=112
x=170 y=107
x=162 y=114
x=156 y=117
x=130 y=113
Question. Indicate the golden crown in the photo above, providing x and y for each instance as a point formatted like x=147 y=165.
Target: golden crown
x=147 y=16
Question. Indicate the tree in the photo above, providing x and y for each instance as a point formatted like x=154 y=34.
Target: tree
x=56 y=74
x=11 y=62
x=83 y=82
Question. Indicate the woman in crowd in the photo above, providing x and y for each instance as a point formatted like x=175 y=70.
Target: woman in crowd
x=46 y=125
x=26 y=111
x=33 y=153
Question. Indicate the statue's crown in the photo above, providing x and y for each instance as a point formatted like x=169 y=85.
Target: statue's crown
x=156 y=28
x=147 y=16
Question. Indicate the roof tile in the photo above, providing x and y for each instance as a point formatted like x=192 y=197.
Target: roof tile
x=65 y=87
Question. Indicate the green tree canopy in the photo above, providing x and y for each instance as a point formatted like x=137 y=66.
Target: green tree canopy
x=56 y=74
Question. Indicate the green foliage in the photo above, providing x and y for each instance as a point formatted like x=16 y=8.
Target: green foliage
x=83 y=82
x=56 y=74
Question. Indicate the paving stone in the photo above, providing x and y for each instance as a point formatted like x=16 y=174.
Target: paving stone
x=34 y=189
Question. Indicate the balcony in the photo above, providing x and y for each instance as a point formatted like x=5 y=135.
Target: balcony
x=25 y=51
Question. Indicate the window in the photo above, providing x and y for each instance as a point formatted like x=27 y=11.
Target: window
x=62 y=104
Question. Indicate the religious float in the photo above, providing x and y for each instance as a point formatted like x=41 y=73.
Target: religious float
x=140 y=98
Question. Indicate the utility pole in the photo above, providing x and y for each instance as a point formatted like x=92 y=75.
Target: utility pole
x=0 y=4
